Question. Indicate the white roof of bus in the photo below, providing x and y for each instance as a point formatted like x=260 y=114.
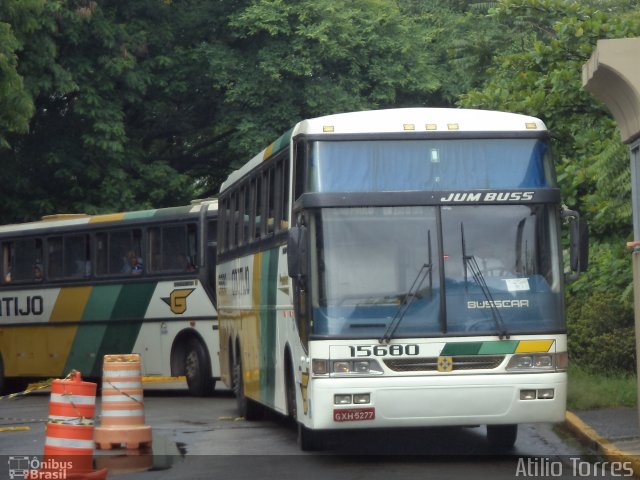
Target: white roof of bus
x=66 y=220
x=399 y=120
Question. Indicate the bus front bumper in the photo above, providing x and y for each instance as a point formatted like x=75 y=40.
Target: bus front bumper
x=460 y=400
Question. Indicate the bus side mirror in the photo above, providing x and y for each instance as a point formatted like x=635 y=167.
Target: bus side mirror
x=297 y=252
x=579 y=239
x=578 y=243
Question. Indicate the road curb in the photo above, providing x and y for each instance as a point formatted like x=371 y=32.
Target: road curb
x=590 y=438
x=150 y=379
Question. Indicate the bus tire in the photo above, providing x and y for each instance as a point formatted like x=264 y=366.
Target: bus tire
x=247 y=408
x=309 y=440
x=290 y=383
x=3 y=383
x=502 y=438
x=197 y=369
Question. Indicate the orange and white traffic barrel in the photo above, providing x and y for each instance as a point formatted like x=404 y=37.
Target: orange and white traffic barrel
x=68 y=448
x=122 y=413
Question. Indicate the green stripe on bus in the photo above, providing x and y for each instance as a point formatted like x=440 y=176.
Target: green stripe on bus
x=140 y=214
x=480 y=348
x=498 y=348
x=268 y=293
x=92 y=328
x=282 y=141
x=127 y=315
x=172 y=211
x=461 y=348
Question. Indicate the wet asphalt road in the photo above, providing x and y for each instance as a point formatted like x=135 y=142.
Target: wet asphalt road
x=202 y=438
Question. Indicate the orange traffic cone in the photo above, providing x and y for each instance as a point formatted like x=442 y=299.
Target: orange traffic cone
x=122 y=405
x=68 y=448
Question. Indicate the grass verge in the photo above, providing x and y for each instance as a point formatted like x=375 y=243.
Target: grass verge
x=588 y=390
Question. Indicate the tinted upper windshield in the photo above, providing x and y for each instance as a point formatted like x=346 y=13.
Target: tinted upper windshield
x=369 y=263
x=388 y=165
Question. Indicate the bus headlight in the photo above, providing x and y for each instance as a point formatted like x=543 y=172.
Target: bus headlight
x=319 y=366
x=342 y=367
x=355 y=367
x=361 y=398
x=534 y=362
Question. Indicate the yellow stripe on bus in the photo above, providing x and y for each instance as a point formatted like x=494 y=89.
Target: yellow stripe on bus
x=113 y=217
x=267 y=152
x=251 y=337
x=70 y=304
x=532 y=346
x=69 y=307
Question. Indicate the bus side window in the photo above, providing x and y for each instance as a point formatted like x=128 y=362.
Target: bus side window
x=119 y=247
x=102 y=254
x=192 y=246
x=175 y=255
x=258 y=207
x=246 y=216
x=283 y=193
x=7 y=258
x=55 y=257
x=20 y=259
x=270 y=182
x=155 y=249
x=299 y=170
x=76 y=258
x=114 y=251
x=173 y=248
x=211 y=255
x=237 y=225
x=223 y=216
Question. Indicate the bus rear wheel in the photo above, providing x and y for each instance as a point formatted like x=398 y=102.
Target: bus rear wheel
x=3 y=385
x=197 y=369
x=502 y=438
x=247 y=408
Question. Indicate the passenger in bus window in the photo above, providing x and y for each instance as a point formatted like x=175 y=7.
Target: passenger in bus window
x=82 y=268
x=7 y=277
x=37 y=272
x=133 y=264
x=185 y=263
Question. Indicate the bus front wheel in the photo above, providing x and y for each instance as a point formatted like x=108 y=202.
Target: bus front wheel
x=292 y=408
x=501 y=438
x=197 y=369
x=309 y=440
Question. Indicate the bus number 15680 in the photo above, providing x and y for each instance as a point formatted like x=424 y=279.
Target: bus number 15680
x=384 y=350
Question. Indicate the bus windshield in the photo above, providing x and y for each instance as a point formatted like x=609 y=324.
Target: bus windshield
x=468 y=272
x=400 y=165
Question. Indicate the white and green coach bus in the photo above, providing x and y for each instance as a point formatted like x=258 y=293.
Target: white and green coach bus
x=76 y=287
x=397 y=268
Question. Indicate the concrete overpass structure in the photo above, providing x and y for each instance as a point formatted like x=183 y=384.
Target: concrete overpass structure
x=612 y=75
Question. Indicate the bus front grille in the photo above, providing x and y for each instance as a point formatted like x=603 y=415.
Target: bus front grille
x=460 y=362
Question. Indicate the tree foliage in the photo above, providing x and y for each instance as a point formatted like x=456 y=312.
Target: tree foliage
x=155 y=100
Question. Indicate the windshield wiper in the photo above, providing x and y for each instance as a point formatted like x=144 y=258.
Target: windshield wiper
x=411 y=295
x=471 y=262
x=407 y=301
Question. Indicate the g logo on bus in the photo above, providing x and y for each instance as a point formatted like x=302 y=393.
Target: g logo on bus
x=177 y=300
x=445 y=364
